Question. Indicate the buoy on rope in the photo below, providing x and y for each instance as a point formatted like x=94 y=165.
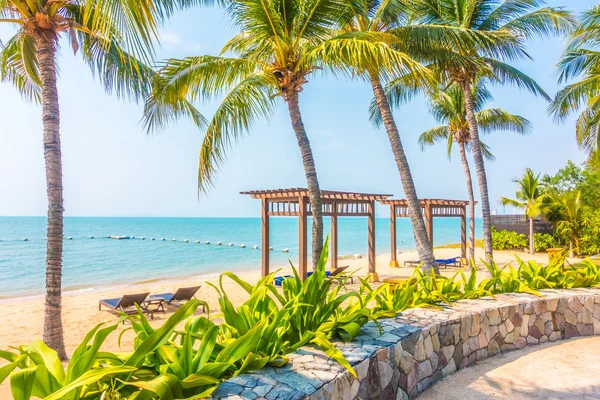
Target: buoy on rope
x=91 y=237
x=186 y=241
x=286 y=250
x=219 y=243
x=162 y=239
x=243 y=246
x=174 y=240
x=152 y=238
x=196 y=241
x=142 y=238
x=69 y=238
x=255 y=247
x=270 y=249
x=132 y=237
x=230 y=244
x=107 y=236
x=25 y=240
x=207 y=242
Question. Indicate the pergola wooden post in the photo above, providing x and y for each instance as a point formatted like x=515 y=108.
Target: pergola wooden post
x=302 y=238
x=294 y=202
x=265 y=237
x=430 y=208
x=334 y=237
x=394 y=260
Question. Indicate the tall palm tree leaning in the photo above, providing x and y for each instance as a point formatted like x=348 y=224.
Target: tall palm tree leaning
x=375 y=41
x=530 y=197
x=582 y=59
x=503 y=28
x=115 y=36
x=271 y=58
x=448 y=108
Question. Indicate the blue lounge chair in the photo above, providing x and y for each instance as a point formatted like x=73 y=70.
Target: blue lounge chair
x=443 y=262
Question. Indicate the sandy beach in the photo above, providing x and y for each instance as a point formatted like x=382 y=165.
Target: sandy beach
x=22 y=319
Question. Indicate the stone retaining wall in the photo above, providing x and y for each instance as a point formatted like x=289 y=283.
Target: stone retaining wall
x=421 y=346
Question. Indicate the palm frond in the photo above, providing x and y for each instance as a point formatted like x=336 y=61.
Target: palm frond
x=507 y=74
x=542 y=22
x=497 y=119
x=588 y=130
x=572 y=97
x=431 y=136
x=252 y=98
x=182 y=81
x=359 y=52
x=19 y=65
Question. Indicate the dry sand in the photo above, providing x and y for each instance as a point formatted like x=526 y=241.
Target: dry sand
x=22 y=319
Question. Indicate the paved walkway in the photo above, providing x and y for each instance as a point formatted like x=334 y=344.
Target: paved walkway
x=562 y=370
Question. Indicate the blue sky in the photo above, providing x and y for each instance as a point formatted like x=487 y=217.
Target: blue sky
x=112 y=168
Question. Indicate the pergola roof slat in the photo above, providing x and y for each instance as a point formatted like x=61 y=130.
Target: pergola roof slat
x=295 y=193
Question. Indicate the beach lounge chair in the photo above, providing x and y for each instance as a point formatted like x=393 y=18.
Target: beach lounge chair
x=338 y=274
x=442 y=262
x=180 y=295
x=126 y=304
x=454 y=261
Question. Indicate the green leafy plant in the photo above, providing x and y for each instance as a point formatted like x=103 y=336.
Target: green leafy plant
x=508 y=240
x=544 y=241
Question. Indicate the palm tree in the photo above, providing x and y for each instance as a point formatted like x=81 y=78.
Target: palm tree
x=565 y=210
x=502 y=29
x=448 y=108
x=530 y=197
x=582 y=59
x=376 y=41
x=270 y=59
x=28 y=60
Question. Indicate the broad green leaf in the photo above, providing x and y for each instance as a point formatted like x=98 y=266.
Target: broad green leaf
x=21 y=383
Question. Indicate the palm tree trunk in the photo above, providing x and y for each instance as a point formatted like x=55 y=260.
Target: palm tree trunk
x=531 y=237
x=469 y=179
x=53 y=327
x=571 y=252
x=423 y=245
x=480 y=168
x=314 y=192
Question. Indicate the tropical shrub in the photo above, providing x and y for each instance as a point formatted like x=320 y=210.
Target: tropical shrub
x=508 y=240
x=544 y=241
x=190 y=361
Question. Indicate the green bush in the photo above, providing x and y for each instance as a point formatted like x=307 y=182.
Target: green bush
x=168 y=363
x=544 y=241
x=508 y=240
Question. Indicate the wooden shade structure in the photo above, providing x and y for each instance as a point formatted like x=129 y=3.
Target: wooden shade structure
x=430 y=208
x=295 y=202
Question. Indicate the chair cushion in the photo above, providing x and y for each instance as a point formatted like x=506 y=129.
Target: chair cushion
x=166 y=296
x=111 y=302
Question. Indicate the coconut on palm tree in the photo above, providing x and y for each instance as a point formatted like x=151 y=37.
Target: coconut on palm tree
x=113 y=35
x=582 y=60
x=270 y=58
x=448 y=108
x=530 y=197
x=502 y=29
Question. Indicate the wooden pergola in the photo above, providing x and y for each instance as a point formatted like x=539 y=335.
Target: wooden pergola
x=295 y=202
x=430 y=208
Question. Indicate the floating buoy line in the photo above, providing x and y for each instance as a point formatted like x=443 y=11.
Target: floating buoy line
x=162 y=239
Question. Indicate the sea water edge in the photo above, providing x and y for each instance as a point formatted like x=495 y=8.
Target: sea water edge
x=98 y=263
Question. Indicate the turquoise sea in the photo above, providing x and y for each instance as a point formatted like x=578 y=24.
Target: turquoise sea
x=93 y=263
